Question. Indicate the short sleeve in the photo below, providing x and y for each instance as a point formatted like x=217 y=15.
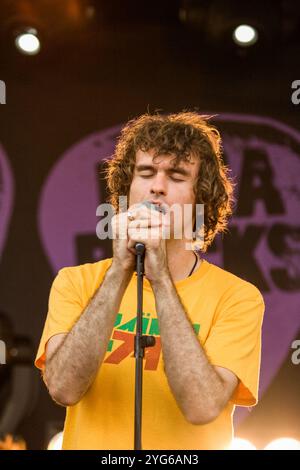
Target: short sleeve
x=65 y=307
x=234 y=341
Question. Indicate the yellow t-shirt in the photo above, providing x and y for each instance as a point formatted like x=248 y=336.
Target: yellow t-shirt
x=227 y=314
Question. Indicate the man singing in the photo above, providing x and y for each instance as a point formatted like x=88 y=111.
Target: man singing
x=206 y=321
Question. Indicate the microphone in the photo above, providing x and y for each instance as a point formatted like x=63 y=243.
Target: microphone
x=151 y=205
x=140 y=247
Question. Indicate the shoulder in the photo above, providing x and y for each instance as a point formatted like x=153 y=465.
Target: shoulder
x=232 y=288
x=87 y=268
x=83 y=274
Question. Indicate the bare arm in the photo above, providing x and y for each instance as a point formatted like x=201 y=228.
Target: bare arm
x=72 y=360
x=200 y=389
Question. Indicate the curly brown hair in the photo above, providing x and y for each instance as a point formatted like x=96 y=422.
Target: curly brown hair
x=181 y=135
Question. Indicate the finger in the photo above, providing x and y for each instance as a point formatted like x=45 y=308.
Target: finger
x=119 y=226
x=148 y=227
x=138 y=234
x=144 y=213
x=143 y=235
x=143 y=223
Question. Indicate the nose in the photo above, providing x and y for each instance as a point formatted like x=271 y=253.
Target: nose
x=159 y=184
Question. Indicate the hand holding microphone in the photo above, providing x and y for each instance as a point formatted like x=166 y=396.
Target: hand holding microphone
x=139 y=246
x=139 y=225
x=145 y=233
x=144 y=224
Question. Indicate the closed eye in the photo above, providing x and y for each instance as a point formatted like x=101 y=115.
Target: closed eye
x=176 y=179
x=172 y=178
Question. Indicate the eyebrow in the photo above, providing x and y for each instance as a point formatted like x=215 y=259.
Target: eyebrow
x=180 y=171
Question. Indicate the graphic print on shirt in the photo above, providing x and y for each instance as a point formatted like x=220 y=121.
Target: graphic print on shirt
x=121 y=344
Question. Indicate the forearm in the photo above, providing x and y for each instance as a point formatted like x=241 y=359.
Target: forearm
x=197 y=387
x=72 y=368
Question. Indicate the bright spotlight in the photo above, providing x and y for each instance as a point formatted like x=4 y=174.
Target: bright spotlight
x=28 y=42
x=284 y=443
x=56 y=442
x=241 y=444
x=245 y=35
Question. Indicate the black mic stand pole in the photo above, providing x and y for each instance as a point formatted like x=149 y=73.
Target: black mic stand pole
x=140 y=343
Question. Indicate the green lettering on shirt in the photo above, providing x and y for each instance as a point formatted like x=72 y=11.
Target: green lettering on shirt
x=130 y=326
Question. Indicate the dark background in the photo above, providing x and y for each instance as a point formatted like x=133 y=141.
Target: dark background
x=99 y=66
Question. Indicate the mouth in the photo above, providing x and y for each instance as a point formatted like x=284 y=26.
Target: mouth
x=160 y=206
x=157 y=203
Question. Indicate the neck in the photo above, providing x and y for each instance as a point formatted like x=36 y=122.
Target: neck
x=180 y=260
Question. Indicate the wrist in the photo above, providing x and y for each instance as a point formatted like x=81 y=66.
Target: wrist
x=163 y=281
x=117 y=270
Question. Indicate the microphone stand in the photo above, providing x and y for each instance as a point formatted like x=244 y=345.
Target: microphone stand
x=140 y=343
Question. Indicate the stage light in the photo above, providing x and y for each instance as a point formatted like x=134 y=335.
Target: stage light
x=241 y=444
x=245 y=35
x=28 y=42
x=284 y=443
x=56 y=442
